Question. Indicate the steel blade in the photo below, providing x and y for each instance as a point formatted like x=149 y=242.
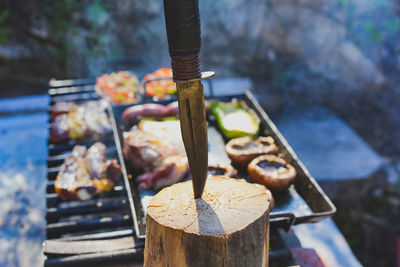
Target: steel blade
x=194 y=131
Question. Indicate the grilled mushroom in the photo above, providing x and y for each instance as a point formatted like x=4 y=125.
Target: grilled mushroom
x=224 y=170
x=273 y=172
x=243 y=150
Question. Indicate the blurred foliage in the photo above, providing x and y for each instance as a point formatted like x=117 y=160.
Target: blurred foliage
x=76 y=23
x=281 y=79
x=392 y=25
x=373 y=31
x=97 y=14
x=380 y=30
x=4 y=31
x=385 y=27
x=58 y=14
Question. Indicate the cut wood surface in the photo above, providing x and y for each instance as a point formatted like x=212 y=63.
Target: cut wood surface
x=228 y=226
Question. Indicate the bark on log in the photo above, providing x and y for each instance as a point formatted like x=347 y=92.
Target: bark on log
x=229 y=226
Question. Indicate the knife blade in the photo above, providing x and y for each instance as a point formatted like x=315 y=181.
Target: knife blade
x=182 y=21
x=194 y=131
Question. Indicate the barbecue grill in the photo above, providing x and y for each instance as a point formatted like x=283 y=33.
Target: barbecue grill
x=109 y=228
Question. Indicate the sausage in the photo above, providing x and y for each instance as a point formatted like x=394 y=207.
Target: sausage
x=173 y=109
x=145 y=110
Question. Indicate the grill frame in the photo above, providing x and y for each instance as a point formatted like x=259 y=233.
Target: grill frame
x=74 y=226
x=128 y=225
x=305 y=186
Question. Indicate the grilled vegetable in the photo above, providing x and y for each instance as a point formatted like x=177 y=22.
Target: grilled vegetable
x=159 y=83
x=273 y=172
x=120 y=87
x=86 y=173
x=233 y=120
x=243 y=150
x=222 y=170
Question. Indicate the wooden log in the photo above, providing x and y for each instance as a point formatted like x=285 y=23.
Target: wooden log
x=228 y=226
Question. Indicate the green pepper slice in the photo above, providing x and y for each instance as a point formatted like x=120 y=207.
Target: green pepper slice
x=234 y=120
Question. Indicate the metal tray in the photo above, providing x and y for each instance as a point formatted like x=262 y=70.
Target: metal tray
x=303 y=202
x=75 y=239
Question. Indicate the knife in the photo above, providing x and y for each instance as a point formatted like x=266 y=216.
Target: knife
x=182 y=20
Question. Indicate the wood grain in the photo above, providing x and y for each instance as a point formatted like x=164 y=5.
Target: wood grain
x=227 y=227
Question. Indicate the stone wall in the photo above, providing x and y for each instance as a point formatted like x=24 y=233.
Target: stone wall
x=352 y=43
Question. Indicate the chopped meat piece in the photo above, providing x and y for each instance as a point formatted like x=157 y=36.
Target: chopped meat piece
x=80 y=121
x=85 y=173
x=172 y=170
x=95 y=158
x=59 y=129
x=157 y=148
x=113 y=171
x=61 y=108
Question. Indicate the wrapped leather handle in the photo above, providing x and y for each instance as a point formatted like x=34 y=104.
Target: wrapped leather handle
x=182 y=19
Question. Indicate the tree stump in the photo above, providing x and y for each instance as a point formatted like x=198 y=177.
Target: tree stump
x=229 y=226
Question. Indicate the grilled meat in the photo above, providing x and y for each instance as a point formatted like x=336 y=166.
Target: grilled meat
x=133 y=114
x=73 y=121
x=60 y=108
x=86 y=173
x=157 y=148
x=59 y=129
x=150 y=110
x=172 y=170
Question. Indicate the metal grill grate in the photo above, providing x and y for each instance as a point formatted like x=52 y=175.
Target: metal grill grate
x=103 y=231
x=99 y=230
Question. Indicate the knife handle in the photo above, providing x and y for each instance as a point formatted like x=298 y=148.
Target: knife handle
x=183 y=31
